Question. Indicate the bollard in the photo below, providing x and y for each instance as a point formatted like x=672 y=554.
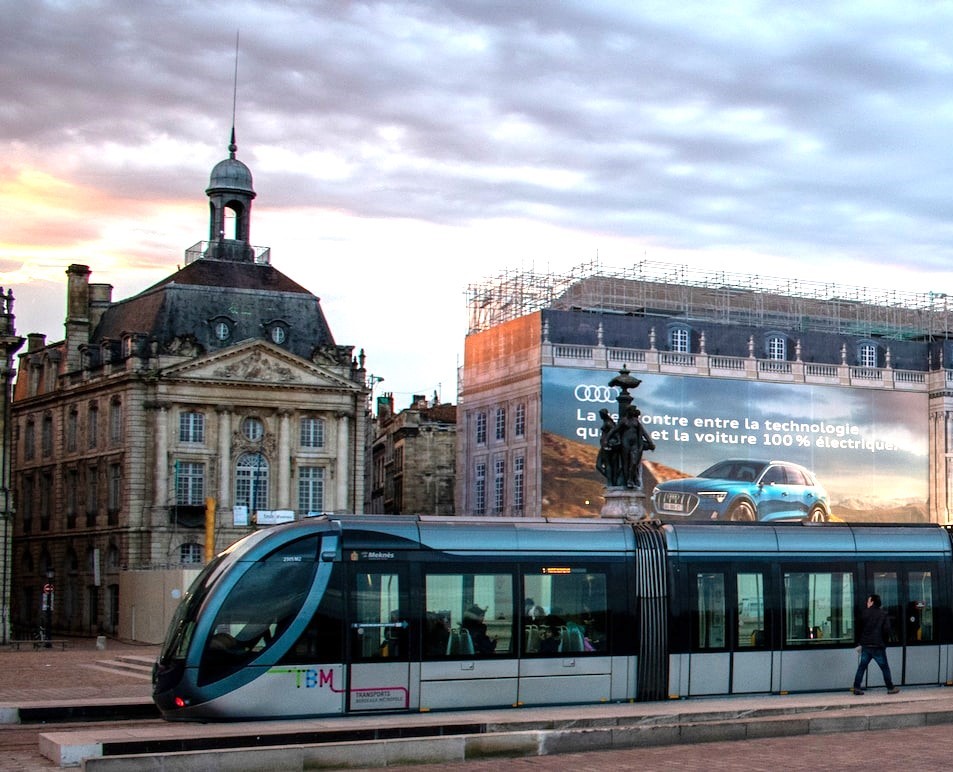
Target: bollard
x=100 y=642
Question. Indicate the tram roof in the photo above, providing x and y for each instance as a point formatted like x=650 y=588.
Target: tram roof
x=486 y=535
x=820 y=539
x=524 y=536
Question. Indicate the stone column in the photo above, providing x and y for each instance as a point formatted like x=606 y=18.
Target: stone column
x=341 y=500
x=162 y=455
x=224 y=458
x=284 y=460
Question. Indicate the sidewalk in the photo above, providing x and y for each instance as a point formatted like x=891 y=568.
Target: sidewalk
x=80 y=672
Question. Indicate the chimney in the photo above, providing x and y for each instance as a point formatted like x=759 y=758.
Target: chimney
x=385 y=405
x=100 y=298
x=35 y=341
x=77 y=314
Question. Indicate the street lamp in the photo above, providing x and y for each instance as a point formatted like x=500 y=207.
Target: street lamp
x=48 y=606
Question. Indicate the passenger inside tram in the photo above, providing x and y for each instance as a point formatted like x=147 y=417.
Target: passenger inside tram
x=438 y=632
x=474 y=623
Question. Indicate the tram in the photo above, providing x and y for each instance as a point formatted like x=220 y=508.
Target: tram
x=364 y=614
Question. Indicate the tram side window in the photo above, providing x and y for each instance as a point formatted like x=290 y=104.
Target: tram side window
x=708 y=623
x=565 y=610
x=918 y=621
x=818 y=607
x=254 y=614
x=468 y=615
x=751 y=630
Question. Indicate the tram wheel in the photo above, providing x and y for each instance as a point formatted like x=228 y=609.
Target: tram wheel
x=743 y=512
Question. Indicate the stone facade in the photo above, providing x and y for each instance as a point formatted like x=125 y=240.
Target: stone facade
x=10 y=343
x=166 y=425
x=413 y=455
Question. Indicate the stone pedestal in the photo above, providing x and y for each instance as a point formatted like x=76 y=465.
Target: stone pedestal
x=623 y=502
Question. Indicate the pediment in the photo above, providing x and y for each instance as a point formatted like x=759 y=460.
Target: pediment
x=257 y=363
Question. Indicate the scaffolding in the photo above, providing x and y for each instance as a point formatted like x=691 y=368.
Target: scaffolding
x=650 y=288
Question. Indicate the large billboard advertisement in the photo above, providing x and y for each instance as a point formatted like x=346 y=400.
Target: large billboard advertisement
x=867 y=447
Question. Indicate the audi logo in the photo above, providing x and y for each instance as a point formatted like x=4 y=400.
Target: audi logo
x=590 y=393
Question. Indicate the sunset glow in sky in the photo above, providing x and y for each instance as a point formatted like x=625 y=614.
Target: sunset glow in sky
x=403 y=150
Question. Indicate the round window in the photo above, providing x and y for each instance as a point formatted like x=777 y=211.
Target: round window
x=278 y=334
x=222 y=330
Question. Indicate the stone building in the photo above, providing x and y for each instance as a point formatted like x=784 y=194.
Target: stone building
x=10 y=343
x=854 y=383
x=413 y=457
x=166 y=425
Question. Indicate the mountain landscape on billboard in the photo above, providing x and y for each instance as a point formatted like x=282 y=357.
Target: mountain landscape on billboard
x=857 y=510
x=573 y=487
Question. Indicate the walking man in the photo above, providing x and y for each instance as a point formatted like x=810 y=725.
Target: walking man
x=874 y=634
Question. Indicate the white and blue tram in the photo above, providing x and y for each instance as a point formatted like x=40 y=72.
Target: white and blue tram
x=356 y=614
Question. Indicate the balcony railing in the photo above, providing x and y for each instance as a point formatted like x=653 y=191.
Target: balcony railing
x=648 y=360
x=230 y=250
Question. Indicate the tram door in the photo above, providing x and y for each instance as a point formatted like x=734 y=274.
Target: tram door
x=730 y=640
x=378 y=638
x=908 y=597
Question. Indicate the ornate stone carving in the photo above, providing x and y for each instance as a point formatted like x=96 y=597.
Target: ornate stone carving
x=185 y=346
x=257 y=367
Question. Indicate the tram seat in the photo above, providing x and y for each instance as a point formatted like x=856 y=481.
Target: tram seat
x=460 y=642
x=532 y=638
x=572 y=639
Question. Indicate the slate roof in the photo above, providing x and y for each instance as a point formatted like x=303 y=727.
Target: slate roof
x=249 y=295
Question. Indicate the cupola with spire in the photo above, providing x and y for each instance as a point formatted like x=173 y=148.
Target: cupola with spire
x=230 y=188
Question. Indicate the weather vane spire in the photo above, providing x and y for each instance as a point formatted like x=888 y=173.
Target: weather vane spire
x=232 y=147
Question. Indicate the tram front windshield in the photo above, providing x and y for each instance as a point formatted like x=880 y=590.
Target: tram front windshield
x=179 y=635
x=258 y=608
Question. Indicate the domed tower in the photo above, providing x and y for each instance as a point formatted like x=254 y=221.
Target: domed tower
x=230 y=188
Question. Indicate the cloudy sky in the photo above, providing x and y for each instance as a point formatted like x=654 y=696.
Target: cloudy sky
x=405 y=150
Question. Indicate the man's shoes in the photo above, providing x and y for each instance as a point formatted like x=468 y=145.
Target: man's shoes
x=860 y=691
x=893 y=690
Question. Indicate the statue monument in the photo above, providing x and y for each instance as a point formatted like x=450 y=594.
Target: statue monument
x=621 y=445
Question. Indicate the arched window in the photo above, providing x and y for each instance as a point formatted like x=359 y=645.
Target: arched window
x=776 y=347
x=680 y=340
x=190 y=553
x=867 y=355
x=251 y=481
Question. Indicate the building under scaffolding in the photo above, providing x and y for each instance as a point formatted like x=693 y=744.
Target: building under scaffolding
x=661 y=289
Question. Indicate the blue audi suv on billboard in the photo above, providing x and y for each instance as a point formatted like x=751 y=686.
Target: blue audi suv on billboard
x=740 y=489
